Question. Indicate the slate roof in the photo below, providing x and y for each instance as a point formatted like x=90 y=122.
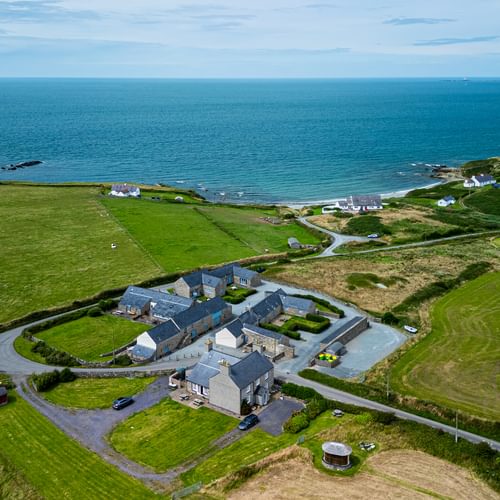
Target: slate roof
x=484 y=178
x=199 y=311
x=135 y=296
x=366 y=200
x=263 y=331
x=124 y=188
x=268 y=304
x=208 y=366
x=449 y=198
x=336 y=347
x=193 y=279
x=236 y=328
x=296 y=302
x=208 y=279
x=223 y=271
x=242 y=272
x=250 y=368
x=163 y=331
x=142 y=352
x=341 y=329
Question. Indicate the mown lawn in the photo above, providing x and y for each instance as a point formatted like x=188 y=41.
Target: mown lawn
x=55 y=247
x=92 y=393
x=87 y=337
x=457 y=363
x=169 y=434
x=52 y=464
x=253 y=447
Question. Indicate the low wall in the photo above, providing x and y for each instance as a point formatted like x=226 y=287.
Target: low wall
x=347 y=332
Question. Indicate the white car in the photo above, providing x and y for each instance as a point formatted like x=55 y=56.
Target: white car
x=410 y=329
x=373 y=236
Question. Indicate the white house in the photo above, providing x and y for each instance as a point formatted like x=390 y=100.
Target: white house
x=125 y=191
x=480 y=180
x=231 y=336
x=446 y=201
x=355 y=204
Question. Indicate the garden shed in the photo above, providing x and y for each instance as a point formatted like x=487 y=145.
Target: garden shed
x=336 y=455
x=4 y=397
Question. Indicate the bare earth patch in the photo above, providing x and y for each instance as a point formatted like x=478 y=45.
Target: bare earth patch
x=389 y=474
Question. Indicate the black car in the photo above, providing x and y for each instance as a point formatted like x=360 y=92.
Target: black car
x=120 y=403
x=248 y=421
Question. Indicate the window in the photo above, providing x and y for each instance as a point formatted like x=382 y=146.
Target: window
x=249 y=388
x=266 y=376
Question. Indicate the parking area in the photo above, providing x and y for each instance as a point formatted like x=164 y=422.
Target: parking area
x=276 y=414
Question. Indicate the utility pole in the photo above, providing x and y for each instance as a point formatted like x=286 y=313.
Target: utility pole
x=456 y=427
x=387 y=386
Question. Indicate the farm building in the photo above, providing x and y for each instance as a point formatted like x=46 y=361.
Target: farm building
x=213 y=283
x=228 y=380
x=125 y=191
x=4 y=396
x=480 y=180
x=446 y=201
x=336 y=455
x=294 y=244
x=231 y=335
x=356 y=204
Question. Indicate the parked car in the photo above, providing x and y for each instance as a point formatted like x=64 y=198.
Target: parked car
x=122 y=402
x=373 y=236
x=248 y=421
x=410 y=329
x=337 y=413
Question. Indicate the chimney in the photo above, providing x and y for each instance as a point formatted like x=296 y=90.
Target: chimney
x=209 y=345
x=225 y=367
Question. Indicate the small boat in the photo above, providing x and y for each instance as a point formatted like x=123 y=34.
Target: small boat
x=410 y=329
x=240 y=193
x=413 y=164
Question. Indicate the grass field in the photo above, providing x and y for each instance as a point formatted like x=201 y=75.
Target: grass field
x=486 y=200
x=169 y=434
x=42 y=458
x=87 y=337
x=181 y=237
x=92 y=393
x=55 y=247
x=457 y=363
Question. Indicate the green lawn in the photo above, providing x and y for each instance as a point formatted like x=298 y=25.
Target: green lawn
x=181 y=237
x=44 y=459
x=87 y=337
x=253 y=447
x=457 y=363
x=169 y=434
x=55 y=247
x=23 y=347
x=92 y=393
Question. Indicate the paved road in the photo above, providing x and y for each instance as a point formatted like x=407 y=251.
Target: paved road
x=344 y=397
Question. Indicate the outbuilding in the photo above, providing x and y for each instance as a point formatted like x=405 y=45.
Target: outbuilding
x=336 y=455
x=4 y=396
x=294 y=243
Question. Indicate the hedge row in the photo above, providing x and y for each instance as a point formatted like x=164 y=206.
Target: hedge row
x=284 y=331
x=53 y=356
x=322 y=302
x=312 y=323
x=46 y=381
x=416 y=406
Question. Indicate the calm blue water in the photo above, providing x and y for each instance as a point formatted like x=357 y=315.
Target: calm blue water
x=282 y=140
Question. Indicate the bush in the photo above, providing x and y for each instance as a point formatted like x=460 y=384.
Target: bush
x=45 y=381
x=366 y=225
x=53 y=356
x=93 y=312
x=299 y=391
x=66 y=375
x=384 y=418
x=285 y=331
x=123 y=360
x=296 y=423
x=390 y=319
x=316 y=407
x=245 y=409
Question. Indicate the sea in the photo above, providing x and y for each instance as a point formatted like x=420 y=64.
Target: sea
x=271 y=141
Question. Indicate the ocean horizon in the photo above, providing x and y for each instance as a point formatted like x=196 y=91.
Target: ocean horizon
x=259 y=140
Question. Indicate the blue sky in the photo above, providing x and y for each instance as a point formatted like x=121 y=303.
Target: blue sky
x=257 y=38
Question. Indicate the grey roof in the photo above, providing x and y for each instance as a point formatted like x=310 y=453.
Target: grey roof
x=263 y=331
x=292 y=240
x=193 y=279
x=342 y=329
x=336 y=347
x=142 y=352
x=338 y=449
x=366 y=199
x=236 y=328
x=224 y=271
x=296 y=302
x=250 y=368
x=3 y=391
x=484 y=178
x=208 y=279
x=124 y=188
x=449 y=198
x=268 y=304
x=199 y=311
x=242 y=272
x=208 y=366
x=249 y=317
x=163 y=331
x=135 y=296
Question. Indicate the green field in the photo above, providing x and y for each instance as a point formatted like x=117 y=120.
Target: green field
x=486 y=200
x=92 y=393
x=181 y=237
x=38 y=456
x=87 y=337
x=169 y=434
x=253 y=447
x=55 y=247
x=457 y=363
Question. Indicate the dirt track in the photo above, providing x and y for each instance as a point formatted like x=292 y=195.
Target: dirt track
x=389 y=474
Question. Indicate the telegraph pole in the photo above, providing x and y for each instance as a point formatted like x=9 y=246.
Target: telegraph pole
x=456 y=427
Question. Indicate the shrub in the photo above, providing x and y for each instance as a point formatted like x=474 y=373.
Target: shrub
x=285 y=331
x=123 y=360
x=366 y=225
x=299 y=391
x=245 y=409
x=316 y=407
x=390 y=319
x=93 y=312
x=53 y=356
x=484 y=450
x=384 y=418
x=66 y=375
x=296 y=423
x=45 y=381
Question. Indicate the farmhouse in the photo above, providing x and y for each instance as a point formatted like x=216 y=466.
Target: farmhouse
x=125 y=191
x=181 y=330
x=356 y=204
x=160 y=306
x=229 y=380
x=4 y=397
x=213 y=283
x=446 y=201
x=480 y=180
